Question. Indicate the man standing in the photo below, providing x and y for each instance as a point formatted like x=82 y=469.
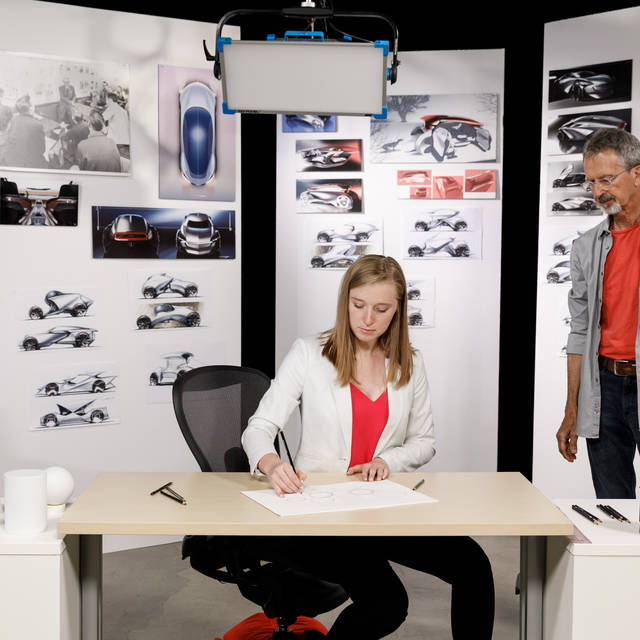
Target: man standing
x=25 y=143
x=603 y=345
x=65 y=105
x=117 y=120
x=97 y=152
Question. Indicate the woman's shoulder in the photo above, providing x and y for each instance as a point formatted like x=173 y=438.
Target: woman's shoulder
x=310 y=346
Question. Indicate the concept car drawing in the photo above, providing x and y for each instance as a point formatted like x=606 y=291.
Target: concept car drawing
x=306 y=122
x=197 y=133
x=560 y=273
x=448 y=218
x=563 y=246
x=413 y=177
x=80 y=383
x=441 y=134
x=413 y=291
x=182 y=316
x=77 y=415
x=340 y=255
x=448 y=187
x=571 y=204
x=175 y=364
x=437 y=244
x=39 y=206
x=415 y=316
x=325 y=157
x=162 y=283
x=585 y=85
x=130 y=235
x=569 y=178
x=73 y=304
x=74 y=336
x=339 y=196
x=573 y=134
x=349 y=232
x=197 y=236
x=483 y=181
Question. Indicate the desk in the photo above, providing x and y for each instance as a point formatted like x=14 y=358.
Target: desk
x=474 y=504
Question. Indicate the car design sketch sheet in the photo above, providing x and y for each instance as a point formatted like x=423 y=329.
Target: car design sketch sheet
x=342 y=496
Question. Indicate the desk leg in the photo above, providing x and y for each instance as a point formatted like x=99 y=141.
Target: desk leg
x=532 y=568
x=91 y=586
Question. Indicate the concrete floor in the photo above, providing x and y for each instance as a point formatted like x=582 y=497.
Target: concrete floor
x=151 y=594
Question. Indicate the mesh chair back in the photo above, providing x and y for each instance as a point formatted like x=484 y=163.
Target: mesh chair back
x=213 y=405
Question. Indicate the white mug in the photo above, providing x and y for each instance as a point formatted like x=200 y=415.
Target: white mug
x=25 y=501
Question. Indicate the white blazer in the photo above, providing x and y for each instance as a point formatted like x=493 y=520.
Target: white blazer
x=306 y=377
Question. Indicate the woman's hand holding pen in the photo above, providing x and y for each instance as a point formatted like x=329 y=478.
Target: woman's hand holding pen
x=377 y=469
x=281 y=475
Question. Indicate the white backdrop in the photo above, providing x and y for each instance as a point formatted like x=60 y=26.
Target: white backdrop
x=461 y=351
x=147 y=436
x=579 y=42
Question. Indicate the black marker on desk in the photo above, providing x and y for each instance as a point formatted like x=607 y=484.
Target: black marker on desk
x=586 y=514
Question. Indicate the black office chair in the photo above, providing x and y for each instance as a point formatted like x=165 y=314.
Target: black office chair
x=213 y=405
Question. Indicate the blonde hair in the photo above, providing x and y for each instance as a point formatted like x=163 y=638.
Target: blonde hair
x=339 y=343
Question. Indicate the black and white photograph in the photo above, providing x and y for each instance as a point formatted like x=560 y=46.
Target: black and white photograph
x=65 y=413
x=447 y=219
x=76 y=379
x=437 y=128
x=309 y=123
x=140 y=232
x=169 y=315
x=567 y=133
x=329 y=155
x=421 y=302
x=601 y=83
x=196 y=140
x=329 y=196
x=47 y=205
x=64 y=115
x=443 y=245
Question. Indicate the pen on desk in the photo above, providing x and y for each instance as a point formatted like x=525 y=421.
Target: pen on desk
x=418 y=485
x=169 y=495
x=617 y=514
x=177 y=495
x=164 y=486
x=586 y=514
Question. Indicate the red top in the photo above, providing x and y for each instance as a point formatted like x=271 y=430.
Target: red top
x=619 y=317
x=259 y=627
x=369 y=419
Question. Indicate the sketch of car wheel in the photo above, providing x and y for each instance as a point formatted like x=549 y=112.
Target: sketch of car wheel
x=79 y=310
x=317 y=262
x=559 y=250
x=30 y=344
x=50 y=420
x=553 y=278
x=415 y=319
x=344 y=202
x=193 y=320
x=52 y=389
x=153 y=379
x=149 y=292
x=305 y=198
x=413 y=294
x=415 y=251
x=191 y=291
x=420 y=226
x=82 y=340
x=96 y=416
x=460 y=226
x=462 y=251
x=36 y=313
x=323 y=237
x=98 y=386
x=143 y=322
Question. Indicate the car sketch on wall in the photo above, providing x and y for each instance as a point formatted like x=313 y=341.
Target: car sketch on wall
x=338 y=256
x=329 y=196
x=350 y=232
x=307 y=122
x=73 y=415
x=563 y=246
x=173 y=366
x=58 y=303
x=561 y=272
x=197 y=236
x=197 y=133
x=130 y=235
x=441 y=218
x=572 y=204
x=414 y=177
x=67 y=336
x=328 y=154
x=38 y=206
x=414 y=315
x=570 y=178
x=159 y=284
x=166 y=315
x=483 y=181
x=447 y=245
x=80 y=383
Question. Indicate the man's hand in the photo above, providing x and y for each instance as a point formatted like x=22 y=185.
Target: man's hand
x=377 y=469
x=567 y=439
x=281 y=475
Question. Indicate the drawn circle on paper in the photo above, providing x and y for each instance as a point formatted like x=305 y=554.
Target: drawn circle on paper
x=322 y=495
x=295 y=497
x=362 y=492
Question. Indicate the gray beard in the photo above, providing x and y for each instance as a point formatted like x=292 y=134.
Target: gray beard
x=610 y=207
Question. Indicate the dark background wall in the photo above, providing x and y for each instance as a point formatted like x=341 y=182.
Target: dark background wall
x=517 y=28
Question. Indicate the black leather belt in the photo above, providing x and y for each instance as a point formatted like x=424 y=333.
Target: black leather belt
x=619 y=367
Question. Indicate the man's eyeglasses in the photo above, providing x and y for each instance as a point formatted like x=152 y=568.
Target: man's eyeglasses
x=602 y=183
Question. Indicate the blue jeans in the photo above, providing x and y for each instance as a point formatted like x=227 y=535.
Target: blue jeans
x=611 y=454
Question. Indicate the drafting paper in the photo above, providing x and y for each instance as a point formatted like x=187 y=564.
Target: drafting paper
x=342 y=496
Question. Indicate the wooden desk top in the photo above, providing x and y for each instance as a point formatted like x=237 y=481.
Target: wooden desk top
x=481 y=504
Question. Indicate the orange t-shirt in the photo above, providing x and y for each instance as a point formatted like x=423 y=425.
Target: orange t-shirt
x=259 y=627
x=619 y=316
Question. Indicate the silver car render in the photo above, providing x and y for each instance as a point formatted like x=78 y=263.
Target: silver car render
x=162 y=283
x=350 y=232
x=75 y=415
x=435 y=245
x=73 y=304
x=163 y=313
x=340 y=255
x=197 y=236
x=80 y=383
x=64 y=335
x=559 y=273
x=448 y=218
x=175 y=365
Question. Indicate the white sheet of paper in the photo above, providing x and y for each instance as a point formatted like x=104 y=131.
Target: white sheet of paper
x=342 y=496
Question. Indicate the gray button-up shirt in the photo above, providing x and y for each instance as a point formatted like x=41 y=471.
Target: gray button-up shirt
x=588 y=255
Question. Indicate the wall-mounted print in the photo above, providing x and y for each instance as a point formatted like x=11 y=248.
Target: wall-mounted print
x=58 y=337
x=469 y=184
x=443 y=246
x=446 y=219
x=562 y=246
x=167 y=315
x=76 y=379
x=42 y=206
x=559 y=272
x=567 y=175
x=572 y=205
x=60 y=303
x=331 y=155
x=308 y=123
x=64 y=115
x=196 y=140
x=421 y=305
x=437 y=128
x=68 y=413
x=590 y=84
x=138 y=232
x=413 y=178
x=338 y=256
x=568 y=133
x=480 y=183
x=329 y=196
x=165 y=285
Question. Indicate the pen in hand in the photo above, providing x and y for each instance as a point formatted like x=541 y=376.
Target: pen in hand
x=286 y=446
